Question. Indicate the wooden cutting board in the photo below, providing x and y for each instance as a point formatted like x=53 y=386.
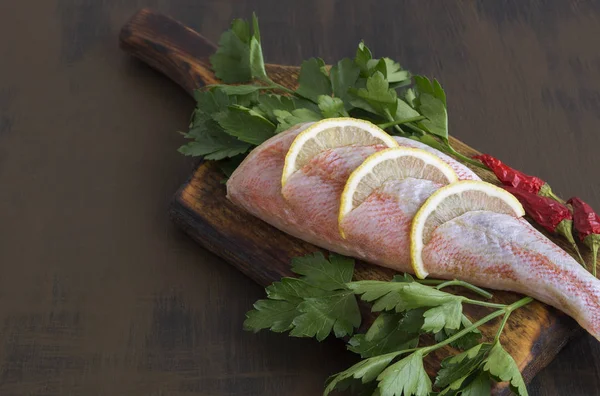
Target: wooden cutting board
x=534 y=334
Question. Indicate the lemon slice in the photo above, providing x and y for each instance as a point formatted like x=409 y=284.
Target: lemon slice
x=331 y=133
x=391 y=164
x=450 y=202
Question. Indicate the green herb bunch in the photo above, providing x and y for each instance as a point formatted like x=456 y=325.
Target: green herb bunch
x=322 y=300
x=230 y=120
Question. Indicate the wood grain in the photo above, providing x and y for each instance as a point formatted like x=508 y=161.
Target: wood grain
x=534 y=334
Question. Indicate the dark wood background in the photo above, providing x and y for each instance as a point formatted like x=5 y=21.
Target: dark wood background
x=100 y=294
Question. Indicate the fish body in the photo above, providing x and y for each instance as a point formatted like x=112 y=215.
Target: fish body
x=485 y=248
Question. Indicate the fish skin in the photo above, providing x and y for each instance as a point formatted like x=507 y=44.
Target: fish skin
x=506 y=253
x=381 y=224
x=256 y=187
x=312 y=216
x=256 y=183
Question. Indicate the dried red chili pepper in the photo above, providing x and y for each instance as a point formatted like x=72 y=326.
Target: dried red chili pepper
x=514 y=178
x=587 y=224
x=551 y=215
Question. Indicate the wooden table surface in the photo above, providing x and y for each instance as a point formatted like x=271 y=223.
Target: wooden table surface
x=100 y=294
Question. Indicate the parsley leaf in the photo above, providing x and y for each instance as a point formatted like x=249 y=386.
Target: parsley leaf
x=390 y=332
x=233 y=90
x=459 y=367
x=366 y=370
x=343 y=77
x=245 y=124
x=502 y=367
x=331 y=107
x=213 y=144
x=406 y=377
x=407 y=278
x=377 y=97
x=269 y=103
x=293 y=289
x=303 y=103
x=409 y=322
x=249 y=101
x=424 y=85
x=276 y=315
x=231 y=62
x=362 y=58
x=468 y=384
x=470 y=371
x=446 y=311
x=385 y=294
x=446 y=316
x=467 y=341
x=409 y=97
x=285 y=106
x=479 y=385
x=279 y=311
x=405 y=111
x=212 y=101
x=209 y=138
x=431 y=102
x=357 y=388
x=327 y=275
x=257 y=63
x=311 y=306
x=435 y=112
x=401 y=296
x=392 y=70
x=337 y=311
x=287 y=120
x=239 y=57
x=313 y=80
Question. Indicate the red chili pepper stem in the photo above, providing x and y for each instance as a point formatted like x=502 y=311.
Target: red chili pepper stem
x=565 y=228
x=593 y=242
x=587 y=224
x=546 y=191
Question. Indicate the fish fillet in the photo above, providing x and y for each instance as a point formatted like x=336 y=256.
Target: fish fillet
x=485 y=248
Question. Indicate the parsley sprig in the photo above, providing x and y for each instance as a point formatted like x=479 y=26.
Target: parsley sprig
x=230 y=120
x=313 y=305
x=323 y=301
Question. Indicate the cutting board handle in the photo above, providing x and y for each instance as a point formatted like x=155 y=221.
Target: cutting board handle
x=180 y=52
x=169 y=47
